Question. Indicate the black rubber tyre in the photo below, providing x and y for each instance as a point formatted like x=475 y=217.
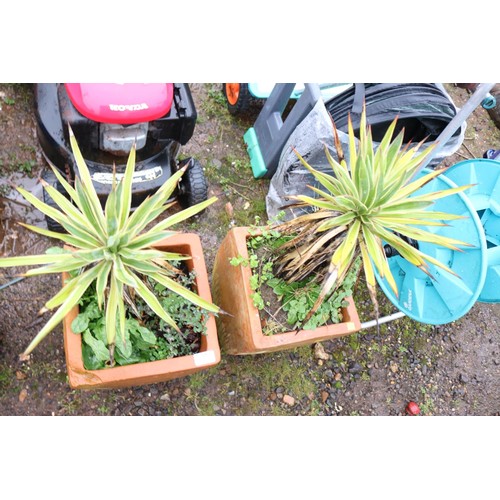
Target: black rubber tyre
x=193 y=187
x=237 y=102
x=52 y=225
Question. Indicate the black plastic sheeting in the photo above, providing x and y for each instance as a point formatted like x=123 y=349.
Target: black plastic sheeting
x=423 y=109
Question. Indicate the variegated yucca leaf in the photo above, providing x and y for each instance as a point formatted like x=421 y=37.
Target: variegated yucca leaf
x=372 y=199
x=110 y=247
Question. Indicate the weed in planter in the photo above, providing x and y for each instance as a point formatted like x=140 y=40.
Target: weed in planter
x=190 y=318
x=147 y=337
x=299 y=298
x=295 y=299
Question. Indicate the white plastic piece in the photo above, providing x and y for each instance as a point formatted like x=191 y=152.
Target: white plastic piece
x=204 y=358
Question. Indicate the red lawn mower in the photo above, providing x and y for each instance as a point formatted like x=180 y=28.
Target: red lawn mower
x=107 y=119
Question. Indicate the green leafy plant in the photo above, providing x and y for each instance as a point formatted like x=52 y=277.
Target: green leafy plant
x=147 y=336
x=295 y=298
x=298 y=298
x=111 y=248
x=368 y=201
x=27 y=166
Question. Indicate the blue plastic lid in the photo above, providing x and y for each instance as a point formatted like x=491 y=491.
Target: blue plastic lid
x=445 y=298
x=485 y=197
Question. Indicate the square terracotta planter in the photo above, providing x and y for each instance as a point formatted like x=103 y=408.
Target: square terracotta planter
x=154 y=371
x=240 y=331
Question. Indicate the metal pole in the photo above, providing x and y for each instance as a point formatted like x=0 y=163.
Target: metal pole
x=475 y=100
x=385 y=319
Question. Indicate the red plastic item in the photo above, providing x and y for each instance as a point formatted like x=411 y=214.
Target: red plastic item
x=412 y=408
x=121 y=103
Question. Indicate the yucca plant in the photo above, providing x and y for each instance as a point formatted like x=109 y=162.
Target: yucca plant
x=367 y=201
x=110 y=247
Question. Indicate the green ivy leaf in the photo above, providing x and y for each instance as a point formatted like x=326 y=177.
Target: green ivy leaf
x=122 y=360
x=90 y=360
x=92 y=310
x=147 y=335
x=254 y=281
x=124 y=347
x=98 y=347
x=80 y=323
x=98 y=329
x=257 y=301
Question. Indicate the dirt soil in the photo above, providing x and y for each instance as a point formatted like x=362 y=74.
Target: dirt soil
x=453 y=369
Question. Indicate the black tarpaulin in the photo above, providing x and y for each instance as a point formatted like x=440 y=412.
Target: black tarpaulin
x=423 y=109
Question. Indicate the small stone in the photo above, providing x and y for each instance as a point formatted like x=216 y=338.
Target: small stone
x=187 y=392
x=424 y=370
x=280 y=390
x=165 y=397
x=289 y=400
x=20 y=375
x=320 y=362
x=23 y=395
x=229 y=210
x=319 y=352
x=329 y=373
x=273 y=396
x=324 y=396
x=175 y=392
x=138 y=403
x=338 y=376
x=355 y=368
x=464 y=378
x=393 y=367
